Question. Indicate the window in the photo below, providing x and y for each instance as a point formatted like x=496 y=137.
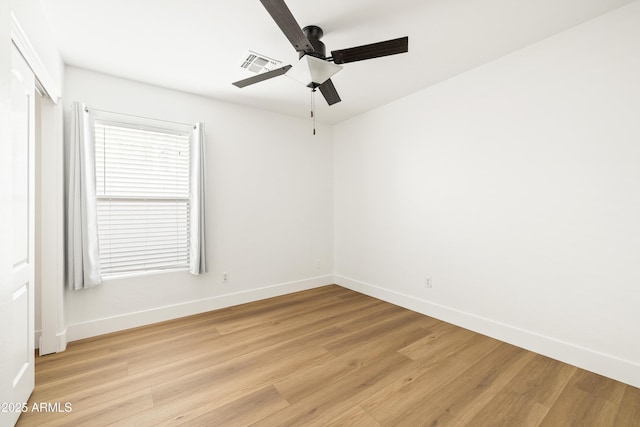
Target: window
x=142 y=183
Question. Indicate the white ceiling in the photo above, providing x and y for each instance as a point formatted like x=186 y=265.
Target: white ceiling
x=198 y=45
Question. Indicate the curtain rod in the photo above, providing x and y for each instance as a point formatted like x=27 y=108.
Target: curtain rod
x=139 y=117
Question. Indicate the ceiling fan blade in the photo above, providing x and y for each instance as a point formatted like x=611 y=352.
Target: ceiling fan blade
x=288 y=24
x=370 y=51
x=329 y=92
x=262 y=77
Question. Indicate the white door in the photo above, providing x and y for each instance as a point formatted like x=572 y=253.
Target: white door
x=20 y=351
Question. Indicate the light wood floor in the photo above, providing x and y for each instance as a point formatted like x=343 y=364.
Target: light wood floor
x=325 y=357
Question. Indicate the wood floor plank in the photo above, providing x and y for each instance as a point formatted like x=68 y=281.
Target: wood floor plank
x=441 y=335
x=427 y=413
x=244 y=341
x=323 y=357
x=236 y=377
x=542 y=380
x=354 y=417
x=365 y=317
x=327 y=403
x=282 y=311
x=300 y=386
x=375 y=331
x=101 y=414
x=241 y=412
x=629 y=410
x=82 y=380
x=526 y=399
x=576 y=408
x=598 y=385
x=257 y=310
x=393 y=402
x=470 y=392
x=511 y=409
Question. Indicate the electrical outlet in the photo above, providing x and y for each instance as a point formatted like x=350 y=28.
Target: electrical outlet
x=317 y=264
x=225 y=277
x=427 y=282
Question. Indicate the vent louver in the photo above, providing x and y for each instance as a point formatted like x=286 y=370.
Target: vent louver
x=257 y=63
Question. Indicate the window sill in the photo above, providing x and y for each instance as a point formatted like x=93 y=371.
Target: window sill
x=120 y=276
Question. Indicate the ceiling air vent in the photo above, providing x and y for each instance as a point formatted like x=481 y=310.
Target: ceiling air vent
x=257 y=63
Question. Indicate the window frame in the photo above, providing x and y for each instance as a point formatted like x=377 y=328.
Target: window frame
x=124 y=121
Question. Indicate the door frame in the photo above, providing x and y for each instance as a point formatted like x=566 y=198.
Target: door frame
x=20 y=39
x=52 y=335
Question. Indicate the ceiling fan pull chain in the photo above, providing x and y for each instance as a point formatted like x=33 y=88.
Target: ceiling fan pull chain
x=313 y=109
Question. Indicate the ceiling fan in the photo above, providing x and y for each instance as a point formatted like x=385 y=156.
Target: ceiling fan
x=314 y=64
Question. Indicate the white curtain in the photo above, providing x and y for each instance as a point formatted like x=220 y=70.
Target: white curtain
x=198 y=263
x=83 y=270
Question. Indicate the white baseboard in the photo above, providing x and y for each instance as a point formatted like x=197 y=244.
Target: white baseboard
x=604 y=364
x=61 y=341
x=97 y=327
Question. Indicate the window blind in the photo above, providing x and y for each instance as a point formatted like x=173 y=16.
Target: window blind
x=142 y=180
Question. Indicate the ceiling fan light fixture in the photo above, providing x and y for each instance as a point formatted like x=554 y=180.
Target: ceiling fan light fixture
x=312 y=71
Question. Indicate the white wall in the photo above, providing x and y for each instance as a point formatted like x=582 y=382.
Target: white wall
x=515 y=188
x=270 y=201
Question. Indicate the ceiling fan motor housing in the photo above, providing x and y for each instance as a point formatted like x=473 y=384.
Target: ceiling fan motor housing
x=314 y=34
